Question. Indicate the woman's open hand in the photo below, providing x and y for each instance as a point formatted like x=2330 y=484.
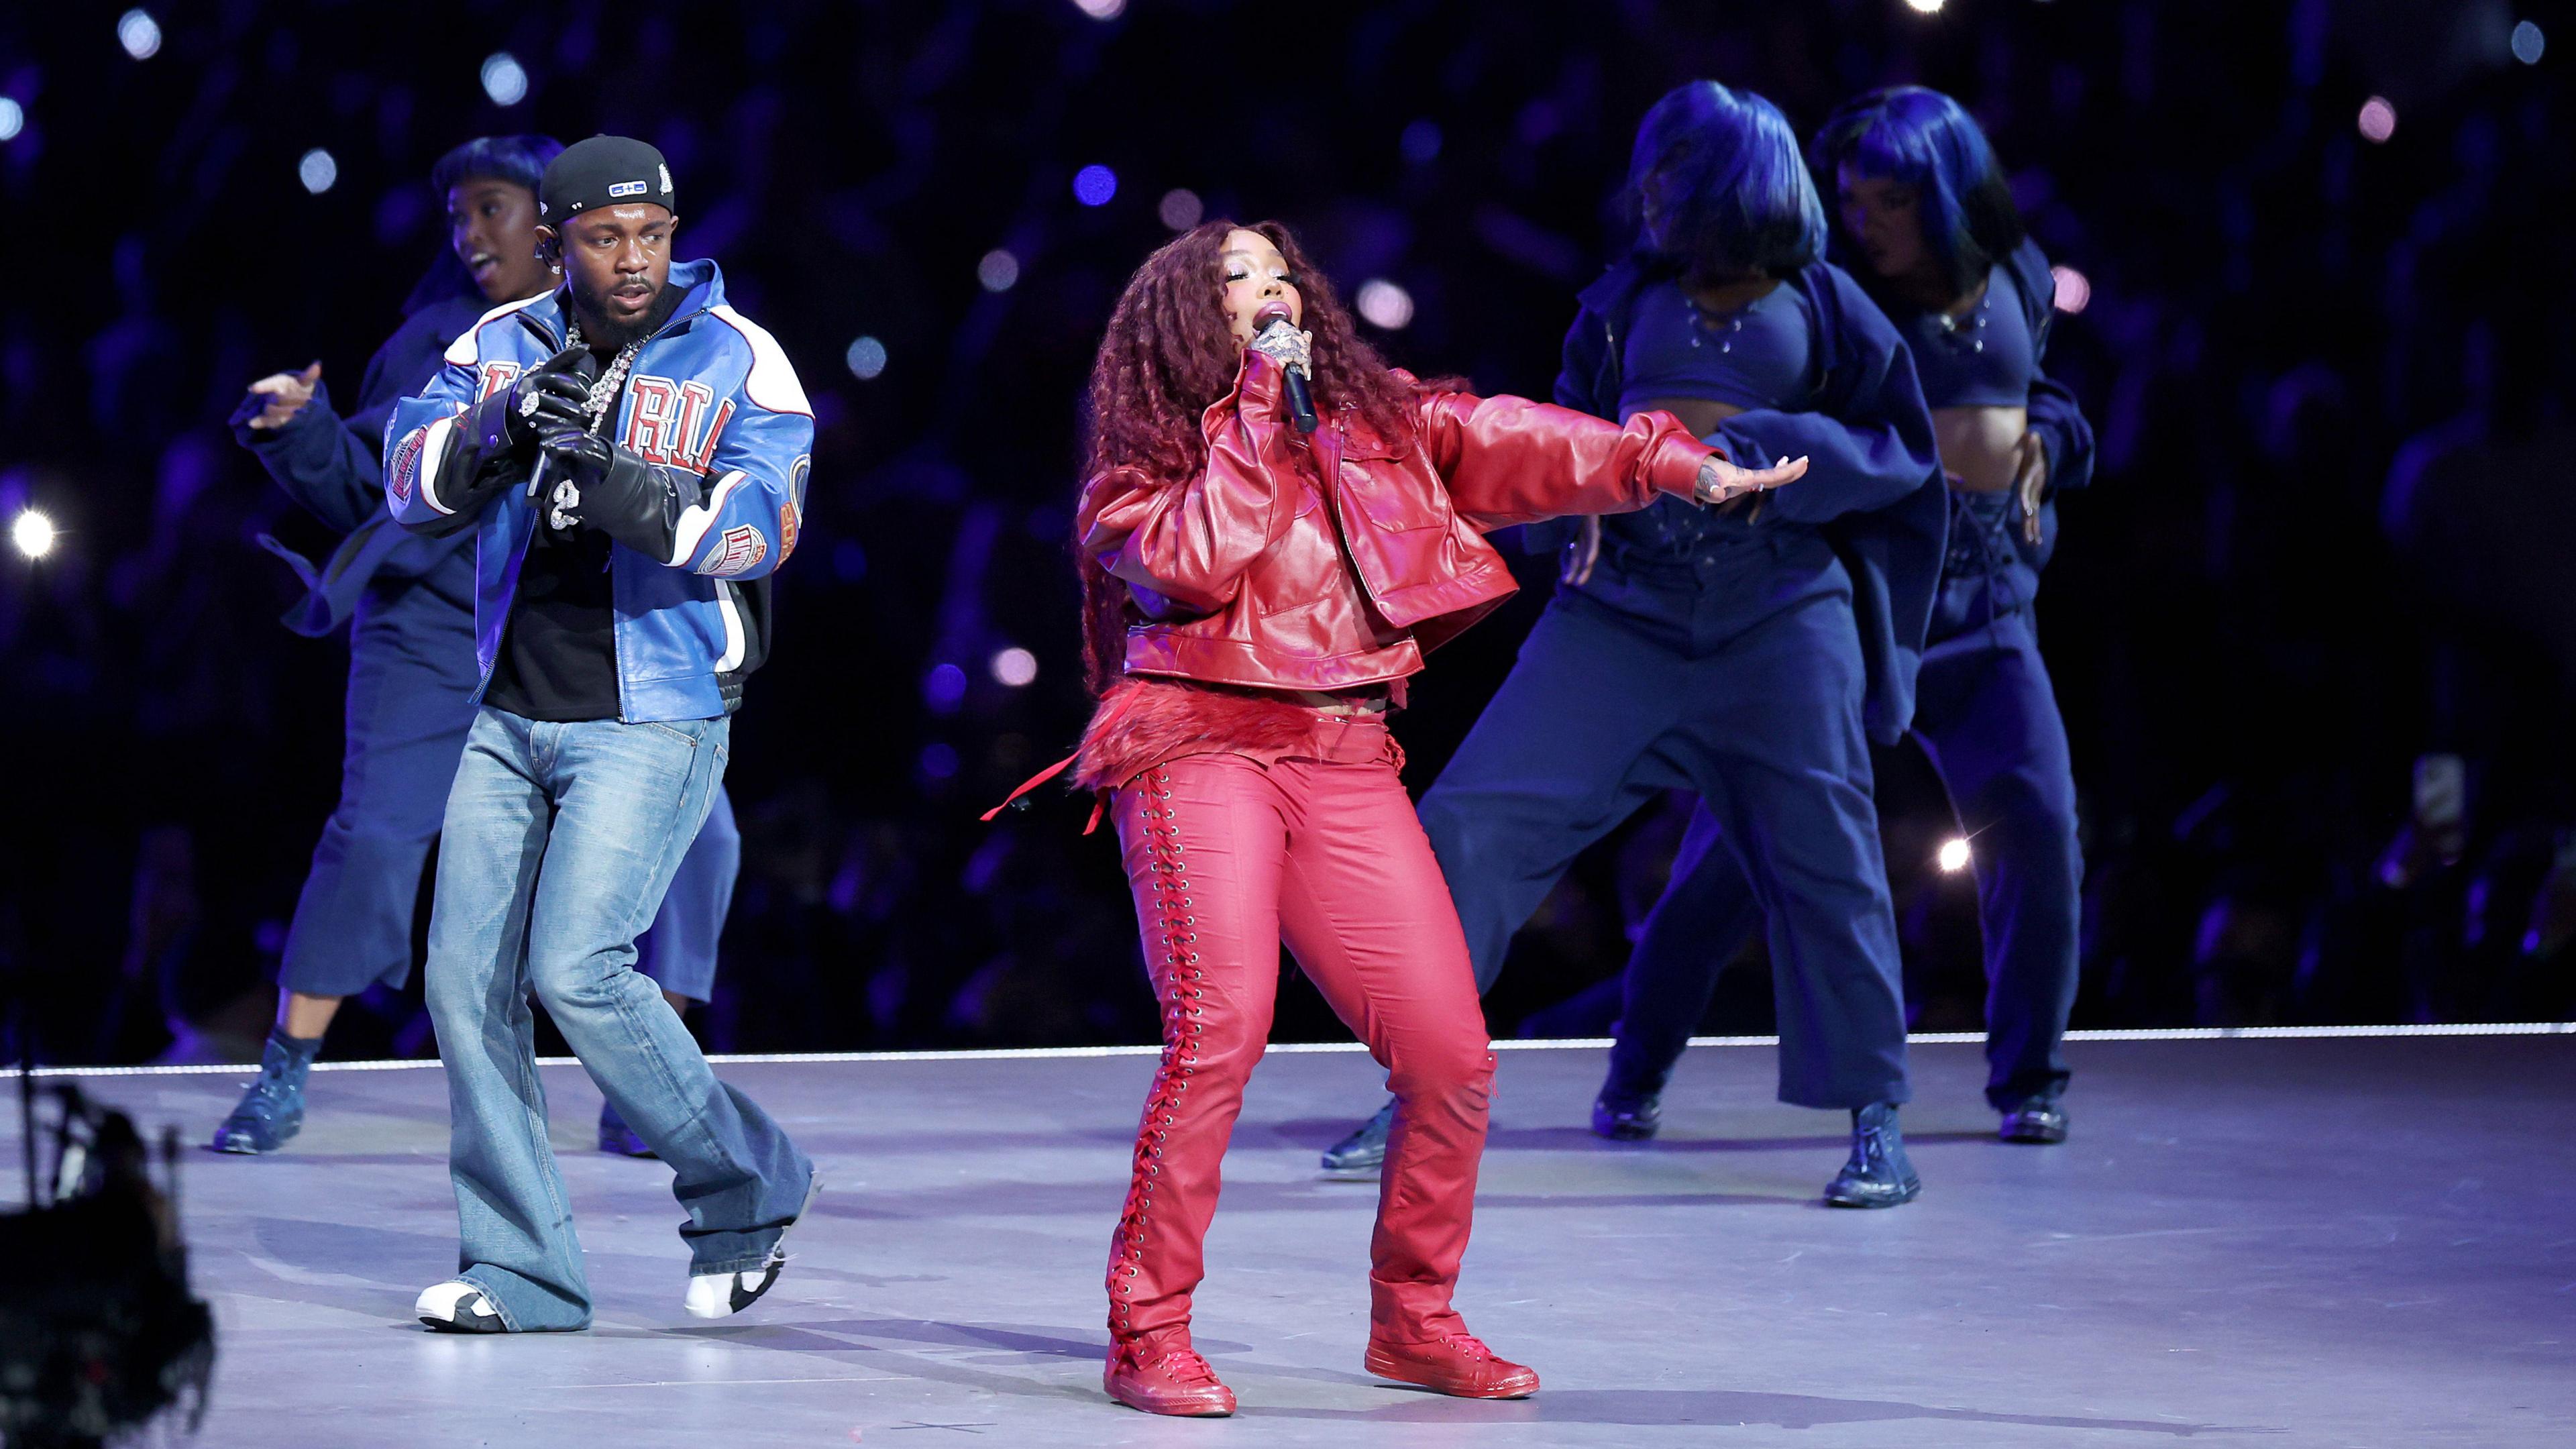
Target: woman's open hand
x=1721 y=481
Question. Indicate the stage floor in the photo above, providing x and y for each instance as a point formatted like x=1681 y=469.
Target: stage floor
x=2276 y=1242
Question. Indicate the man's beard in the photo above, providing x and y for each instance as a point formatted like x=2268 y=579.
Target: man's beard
x=599 y=328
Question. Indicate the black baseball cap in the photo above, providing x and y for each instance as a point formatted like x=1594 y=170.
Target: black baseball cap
x=604 y=171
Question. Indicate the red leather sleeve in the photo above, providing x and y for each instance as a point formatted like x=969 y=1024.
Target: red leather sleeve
x=1509 y=460
x=1191 y=542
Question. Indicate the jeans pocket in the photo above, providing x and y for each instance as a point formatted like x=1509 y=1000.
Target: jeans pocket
x=691 y=731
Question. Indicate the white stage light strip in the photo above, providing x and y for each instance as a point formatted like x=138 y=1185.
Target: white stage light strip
x=1588 y=1043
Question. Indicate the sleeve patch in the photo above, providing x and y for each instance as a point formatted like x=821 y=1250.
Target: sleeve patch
x=736 y=550
x=405 y=472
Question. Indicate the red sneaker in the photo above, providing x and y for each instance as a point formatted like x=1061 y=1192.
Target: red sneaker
x=1458 y=1364
x=1174 y=1381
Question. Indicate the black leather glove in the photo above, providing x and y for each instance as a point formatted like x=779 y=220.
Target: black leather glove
x=614 y=491
x=554 y=393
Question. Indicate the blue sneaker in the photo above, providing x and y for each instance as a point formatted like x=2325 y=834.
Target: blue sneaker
x=2038 y=1119
x=1878 y=1175
x=272 y=1111
x=1625 y=1118
x=1364 y=1151
x=615 y=1136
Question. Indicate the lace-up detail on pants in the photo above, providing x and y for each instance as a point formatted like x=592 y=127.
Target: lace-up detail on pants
x=1179 y=982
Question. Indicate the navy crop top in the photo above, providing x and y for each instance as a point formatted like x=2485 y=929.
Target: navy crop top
x=1761 y=355
x=1982 y=359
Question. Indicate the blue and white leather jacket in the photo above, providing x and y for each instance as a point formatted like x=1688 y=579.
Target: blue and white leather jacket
x=713 y=406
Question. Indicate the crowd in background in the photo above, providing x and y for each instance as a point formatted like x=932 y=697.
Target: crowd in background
x=2309 y=629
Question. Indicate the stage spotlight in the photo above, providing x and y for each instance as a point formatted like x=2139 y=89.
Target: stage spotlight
x=1094 y=185
x=1954 y=856
x=1924 y=7
x=139 y=33
x=1015 y=667
x=867 y=359
x=944 y=689
x=1180 y=209
x=999 y=271
x=2073 y=291
x=2378 y=120
x=504 y=79
x=1101 y=9
x=33 y=533
x=317 y=171
x=1384 y=304
x=13 y=118
x=2528 y=43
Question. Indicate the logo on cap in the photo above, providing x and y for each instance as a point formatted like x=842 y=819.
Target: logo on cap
x=626 y=188
x=666 y=180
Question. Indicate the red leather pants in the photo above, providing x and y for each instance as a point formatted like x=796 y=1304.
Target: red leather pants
x=1228 y=856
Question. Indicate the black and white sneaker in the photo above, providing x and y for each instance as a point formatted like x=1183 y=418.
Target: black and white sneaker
x=721 y=1295
x=457 y=1306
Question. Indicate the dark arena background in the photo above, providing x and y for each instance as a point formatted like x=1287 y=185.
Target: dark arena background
x=2310 y=628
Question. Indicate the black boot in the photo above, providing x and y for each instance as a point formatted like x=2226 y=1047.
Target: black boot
x=1878 y=1174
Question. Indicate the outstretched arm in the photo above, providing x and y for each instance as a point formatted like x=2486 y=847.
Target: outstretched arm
x=1190 y=542
x=1508 y=460
x=287 y=422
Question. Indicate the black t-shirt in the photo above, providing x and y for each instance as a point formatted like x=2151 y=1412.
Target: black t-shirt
x=558 y=658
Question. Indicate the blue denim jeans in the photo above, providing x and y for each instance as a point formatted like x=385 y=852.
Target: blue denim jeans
x=559 y=843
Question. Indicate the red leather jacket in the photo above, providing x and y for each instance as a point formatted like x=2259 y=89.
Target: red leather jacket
x=1336 y=560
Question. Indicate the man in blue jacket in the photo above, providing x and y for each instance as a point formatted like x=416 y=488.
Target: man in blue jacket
x=631 y=455
x=411 y=657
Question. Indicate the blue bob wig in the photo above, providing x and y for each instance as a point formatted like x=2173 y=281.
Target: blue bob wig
x=1918 y=137
x=1718 y=187
x=520 y=160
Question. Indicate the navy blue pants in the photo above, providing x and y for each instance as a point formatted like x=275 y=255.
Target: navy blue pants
x=1737 y=675
x=411 y=673
x=1987 y=718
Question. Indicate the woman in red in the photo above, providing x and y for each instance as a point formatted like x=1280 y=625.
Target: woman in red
x=1256 y=596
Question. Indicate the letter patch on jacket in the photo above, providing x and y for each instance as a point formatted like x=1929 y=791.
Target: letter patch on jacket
x=405 y=473
x=496 y=376
x=740 y=547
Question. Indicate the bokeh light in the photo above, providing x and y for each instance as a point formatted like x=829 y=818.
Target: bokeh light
x=139 y=33
x=1924 y=7
x=1094 y=185
x=2528 y=43
x=1101 y=9
x=2074 y=290
x=33 y=533
x=1954 y=855
x=2378 y=120
x=1384 y=304
x=867 y=358
x=317 y=171
x=938 y=760
x=504 y=79
x=1180 y=208
x=1421 y=142
x=1015 y=667
x=944 y=688
x=999 y=271
x=13 y=118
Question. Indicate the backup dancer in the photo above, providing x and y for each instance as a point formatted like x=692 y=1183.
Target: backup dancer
x=1256 y=593
x=409 y=602
x=1925 y=212
x=631 y=455
x=1747 y=654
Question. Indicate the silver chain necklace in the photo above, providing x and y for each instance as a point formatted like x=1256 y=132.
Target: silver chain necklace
x=603 y=395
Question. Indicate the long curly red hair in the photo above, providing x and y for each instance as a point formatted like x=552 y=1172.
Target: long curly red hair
x=1169 y=353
